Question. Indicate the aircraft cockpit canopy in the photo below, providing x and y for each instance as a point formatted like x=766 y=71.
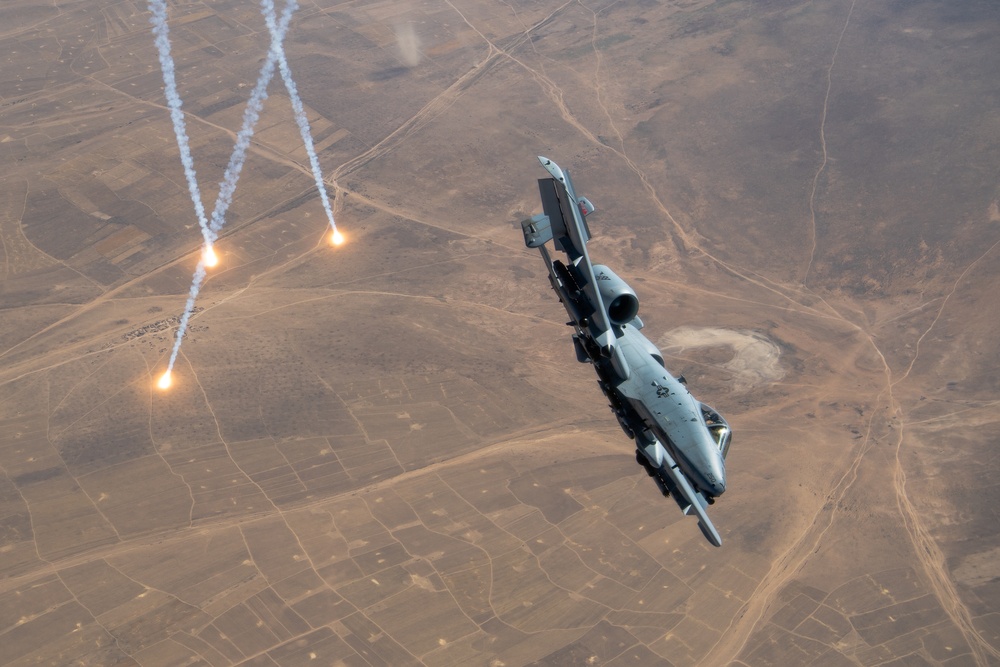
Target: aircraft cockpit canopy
x=718 y=428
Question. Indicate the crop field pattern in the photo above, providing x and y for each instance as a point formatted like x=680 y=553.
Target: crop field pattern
x=385 y=453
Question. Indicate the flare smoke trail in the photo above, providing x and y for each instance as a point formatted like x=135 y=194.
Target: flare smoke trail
x=250 y=117
x=232 y=174
x=300 y=114
x=196 y=281
x=158 y=10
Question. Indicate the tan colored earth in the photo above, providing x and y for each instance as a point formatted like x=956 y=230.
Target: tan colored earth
x=386 y=453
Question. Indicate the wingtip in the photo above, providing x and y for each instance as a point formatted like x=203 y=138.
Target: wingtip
x=711 y=534
x=544 y=160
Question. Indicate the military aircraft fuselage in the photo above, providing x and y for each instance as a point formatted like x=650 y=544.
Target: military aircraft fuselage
x=671 y=413
x=680 y=441
x=651 y=399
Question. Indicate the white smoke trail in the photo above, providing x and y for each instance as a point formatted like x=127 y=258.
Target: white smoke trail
x=250 y=117
x=236 y=161
x=158 y=10
x=196 y=281
x=267 y=7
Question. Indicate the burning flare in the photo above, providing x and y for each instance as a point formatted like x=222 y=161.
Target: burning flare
x=164 y=381
x=337 y=238
x=209 y=257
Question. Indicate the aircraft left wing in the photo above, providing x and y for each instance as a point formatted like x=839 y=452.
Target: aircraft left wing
x=678 y=486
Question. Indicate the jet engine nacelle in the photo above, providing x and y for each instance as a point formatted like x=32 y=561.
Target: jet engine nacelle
x=618 y=297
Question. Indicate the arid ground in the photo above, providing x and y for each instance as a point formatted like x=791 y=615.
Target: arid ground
x=386 y=453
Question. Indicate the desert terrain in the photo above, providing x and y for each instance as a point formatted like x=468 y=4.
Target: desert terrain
x=386 y=453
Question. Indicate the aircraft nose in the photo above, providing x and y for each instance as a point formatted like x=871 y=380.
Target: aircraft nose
x=717 y=482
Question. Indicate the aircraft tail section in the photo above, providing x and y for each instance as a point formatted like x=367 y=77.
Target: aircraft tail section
x=563 y=222
x=562 y=203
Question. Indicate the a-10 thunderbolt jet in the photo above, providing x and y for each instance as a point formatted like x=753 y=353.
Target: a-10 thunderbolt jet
x=680 y=442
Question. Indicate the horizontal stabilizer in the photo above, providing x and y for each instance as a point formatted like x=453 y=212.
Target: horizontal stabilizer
x=537 y=231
